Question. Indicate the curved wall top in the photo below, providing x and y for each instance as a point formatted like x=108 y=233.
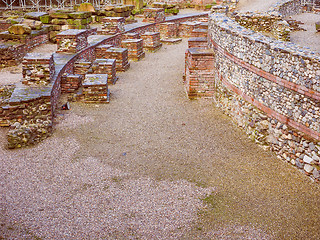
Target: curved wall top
x=281 y=78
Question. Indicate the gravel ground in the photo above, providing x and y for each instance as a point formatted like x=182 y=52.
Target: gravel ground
x=152 y=165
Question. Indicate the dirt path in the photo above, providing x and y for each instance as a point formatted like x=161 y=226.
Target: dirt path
x=138 y=168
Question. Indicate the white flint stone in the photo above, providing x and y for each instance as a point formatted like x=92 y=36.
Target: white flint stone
x=307 y=159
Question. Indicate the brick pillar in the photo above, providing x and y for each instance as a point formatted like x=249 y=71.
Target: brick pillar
x=199 y=72
x=37 y=68
x=198 y=42
x=151 y=41
x=72 y=41
x=135 y=48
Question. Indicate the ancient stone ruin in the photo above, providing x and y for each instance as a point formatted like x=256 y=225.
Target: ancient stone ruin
x=244 y=62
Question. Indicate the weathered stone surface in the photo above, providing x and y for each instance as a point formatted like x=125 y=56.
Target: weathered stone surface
x=33 y=24
x=308 y=168
x=60 y=14
x=80 y=15
x=86 y=7
x=35 y=15
x=19 y=29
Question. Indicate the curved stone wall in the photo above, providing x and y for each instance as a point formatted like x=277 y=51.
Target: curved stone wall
x=279 y=80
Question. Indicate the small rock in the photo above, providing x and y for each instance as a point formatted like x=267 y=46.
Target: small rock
x=312 y=146
x=307 y=159
x=308 y=168
x=293 y=162
x=298 y=163
x=316 y=173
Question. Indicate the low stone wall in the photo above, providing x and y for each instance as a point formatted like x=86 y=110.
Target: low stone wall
x=265 y=23
x=30 y=110
x=12 y=54
x=286 y=8
x=271 y=88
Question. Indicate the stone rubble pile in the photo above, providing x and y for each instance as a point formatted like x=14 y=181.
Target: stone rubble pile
x=64 y=20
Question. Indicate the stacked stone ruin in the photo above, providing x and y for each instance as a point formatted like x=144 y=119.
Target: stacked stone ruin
x=151 y=41
x=254 y=83
x=112 y=25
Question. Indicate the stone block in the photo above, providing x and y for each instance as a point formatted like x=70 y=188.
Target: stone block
x=71 y=82
x=37 y=68
x=59 y=14
x=121 y=56
x=168 y=30
x=19 y=29
x=151 y=41
x=135 y=48
x=95 y=88
x=72 y=41
x=154 y=15
x=105 y=66
x=80 y=15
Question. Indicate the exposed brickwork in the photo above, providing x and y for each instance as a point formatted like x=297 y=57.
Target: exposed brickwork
x=95 y=88
x=199 y=33
x=105 y=66
x=131 y=36
x=135 y=48
x=34 y=108
x=101 y=50
x=82 y=67
x=112 y=25
x=154 y=15
x=199 y=73
x=151 y=41
x=12 y=54
x=198 y=42
x=168 y=30
x=121 y=56
x=71 y=82
x=186 y=28
x=38 y=68
x=72 y=41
